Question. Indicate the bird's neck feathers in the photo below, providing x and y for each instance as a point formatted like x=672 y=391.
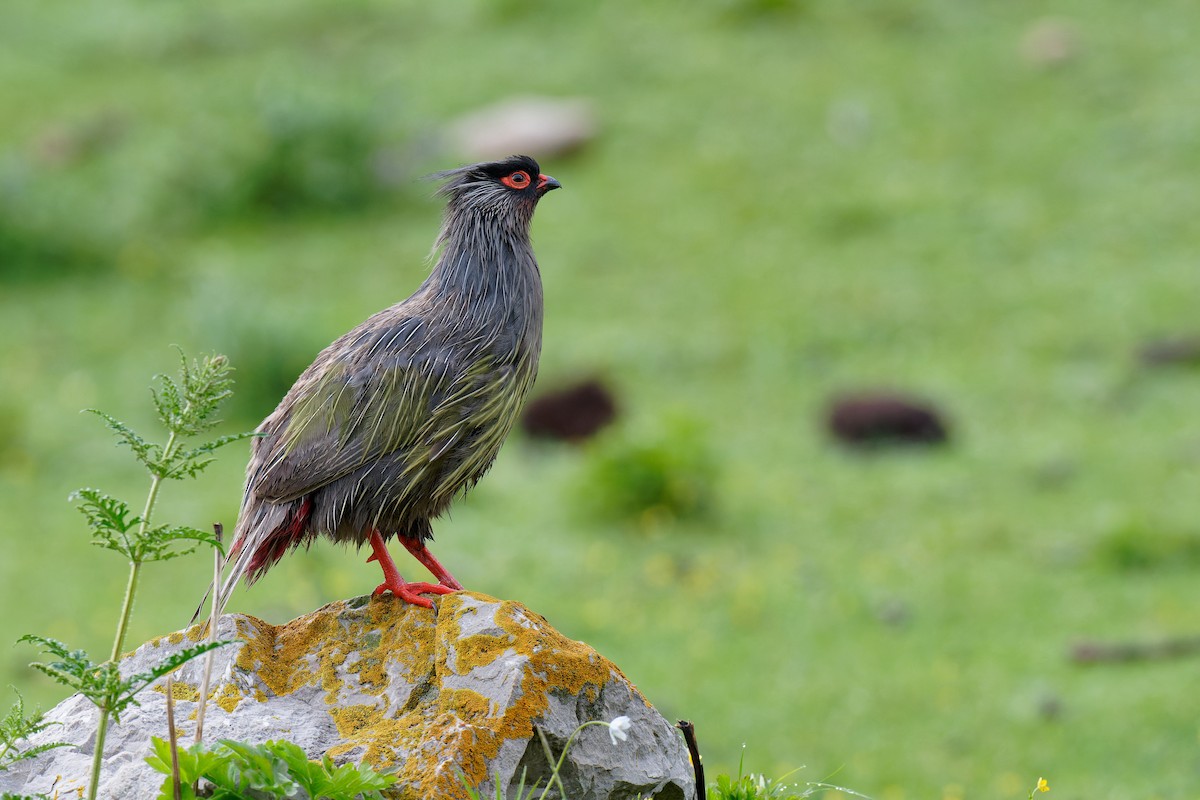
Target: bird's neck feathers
x=486 y=260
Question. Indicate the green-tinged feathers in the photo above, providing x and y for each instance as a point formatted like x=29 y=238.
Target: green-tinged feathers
x=411 y=407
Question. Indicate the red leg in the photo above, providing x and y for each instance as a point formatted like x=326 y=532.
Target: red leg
x=422 y=554
x=406 y=591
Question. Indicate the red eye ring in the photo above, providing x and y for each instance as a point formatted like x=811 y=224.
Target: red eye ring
x=518 y=180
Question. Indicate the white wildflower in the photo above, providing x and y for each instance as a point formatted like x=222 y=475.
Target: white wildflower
x=617 y=729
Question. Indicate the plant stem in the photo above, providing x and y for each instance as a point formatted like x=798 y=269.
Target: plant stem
x=563 y=757
x=135 y=568
x=176 y=787
x=136 y=565
x=218 y=529
x=98 y=757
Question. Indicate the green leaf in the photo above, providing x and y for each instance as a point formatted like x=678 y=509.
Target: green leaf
x=153 y=544
x=259 y=768
x=14 y=727
x=71 y=668
x=190 y=463
x=307 y=774
x=160 y=758
x=103 y=683
x=146 y=452
x=142 y=679
x=276 y=768
x=99 y=683
x=110 y=519
x=187 y=407
x=167 y=400
x=194 y=763
x=104 y=511
x=163 y=542
x=129 y=687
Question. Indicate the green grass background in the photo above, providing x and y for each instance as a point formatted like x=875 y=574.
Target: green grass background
x=786 y=200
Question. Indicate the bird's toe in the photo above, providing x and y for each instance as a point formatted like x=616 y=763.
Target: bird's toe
x=411 y=592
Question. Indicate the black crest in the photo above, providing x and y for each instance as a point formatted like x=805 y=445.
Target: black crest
x=487 y=172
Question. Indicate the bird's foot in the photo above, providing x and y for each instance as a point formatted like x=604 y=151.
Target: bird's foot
x=422 y=554
x=410 y=592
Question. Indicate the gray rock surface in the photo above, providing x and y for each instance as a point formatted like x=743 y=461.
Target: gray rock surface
x=433 y=694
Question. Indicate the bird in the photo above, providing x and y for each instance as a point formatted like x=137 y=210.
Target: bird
x=403 y=413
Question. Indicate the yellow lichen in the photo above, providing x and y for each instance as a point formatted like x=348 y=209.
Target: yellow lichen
x=464 y=724
x=465 y=703
x=361 y=645
x=180 y=691
x=228 y=698
x=197 y=633
x=351 y=719
x=557 y=665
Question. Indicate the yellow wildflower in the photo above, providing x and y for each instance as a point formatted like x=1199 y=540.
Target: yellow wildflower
x=1043 y=785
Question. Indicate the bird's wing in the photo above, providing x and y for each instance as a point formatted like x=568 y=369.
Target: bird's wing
x=375 y=397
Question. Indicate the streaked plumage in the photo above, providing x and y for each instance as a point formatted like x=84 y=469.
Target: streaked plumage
x=399 y=415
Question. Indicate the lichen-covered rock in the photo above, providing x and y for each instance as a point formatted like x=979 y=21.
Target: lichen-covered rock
x=440 y=696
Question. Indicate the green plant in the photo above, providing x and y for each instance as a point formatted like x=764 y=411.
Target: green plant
x=45 y=232
x=16 y=726
x=102 y=683
x=274 y=768
x=1141 y=545
x=295 y=152
x=186 y=408
x=752 y=786
x=671 y=474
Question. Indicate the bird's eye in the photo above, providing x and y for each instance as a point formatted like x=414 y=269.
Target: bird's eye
x=518 y=180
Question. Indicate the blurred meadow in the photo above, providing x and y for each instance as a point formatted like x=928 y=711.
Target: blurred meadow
x=977 y=204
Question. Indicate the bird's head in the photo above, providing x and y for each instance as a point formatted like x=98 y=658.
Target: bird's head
x=507 y=189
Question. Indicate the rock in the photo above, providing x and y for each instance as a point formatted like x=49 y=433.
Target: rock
x=540 y=126
x=433 y=693
x=573 y=413
x=885 y=418
x=1050 y=42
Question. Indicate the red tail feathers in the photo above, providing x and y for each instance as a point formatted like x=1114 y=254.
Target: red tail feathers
x=276 y=544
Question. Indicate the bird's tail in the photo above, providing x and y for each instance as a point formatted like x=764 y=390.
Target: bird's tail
x=235 y=567
x=200 y=607
x=265 y=532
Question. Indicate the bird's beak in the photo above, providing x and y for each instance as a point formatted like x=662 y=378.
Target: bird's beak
x=546 y=183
